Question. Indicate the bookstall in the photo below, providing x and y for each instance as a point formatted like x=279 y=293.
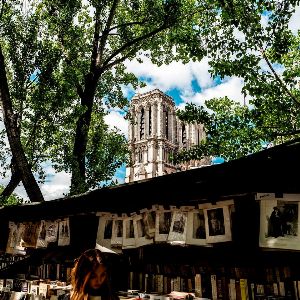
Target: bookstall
x=228 y=231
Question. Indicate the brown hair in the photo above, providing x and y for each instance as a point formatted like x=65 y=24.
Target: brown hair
x=85 y=265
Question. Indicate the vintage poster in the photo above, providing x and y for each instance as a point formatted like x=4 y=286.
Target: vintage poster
x=12 y=237
x=178 y=227
x=117 y=232
x=51 y=231
x=141 y=239
x=196 y=233
x=279 y=223
x=128 y=233
x=31 y=234
x=41 y=239
x=64 y=232
x=217 y=224
x=105 y=227
x=162 y=224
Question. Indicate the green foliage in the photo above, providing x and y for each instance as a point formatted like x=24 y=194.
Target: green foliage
x=239 y=46
x=13 y=199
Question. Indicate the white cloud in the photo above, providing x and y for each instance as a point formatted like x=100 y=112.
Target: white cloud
x=231 y=88
x=176 y=75
x=116 y=119
x=294 y=24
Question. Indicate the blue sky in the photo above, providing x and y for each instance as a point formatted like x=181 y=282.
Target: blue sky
x=189 y=82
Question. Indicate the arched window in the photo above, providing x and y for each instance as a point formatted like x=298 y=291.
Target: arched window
x=150 y=119
x=166 y=122
x=183 y=136
x=140 y=155
x=142 y=124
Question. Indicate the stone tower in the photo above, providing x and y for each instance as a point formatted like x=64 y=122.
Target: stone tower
x=155 y=133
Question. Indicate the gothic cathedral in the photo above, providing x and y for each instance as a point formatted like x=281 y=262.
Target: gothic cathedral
x=155 y=133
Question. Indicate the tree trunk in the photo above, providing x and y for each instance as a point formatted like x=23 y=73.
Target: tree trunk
x=13 y=134
x=13 y=182
x=78 y=180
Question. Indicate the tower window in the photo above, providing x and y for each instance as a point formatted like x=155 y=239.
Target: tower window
x=150 y=119
x=142 y=124
x=166 y=120
x=183 y=136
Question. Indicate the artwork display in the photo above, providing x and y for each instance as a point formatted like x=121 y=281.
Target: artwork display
x=117 y=232
x=141 y=239
x=128 y=233
x=162 y=225
x=196 y=233
x=178 y=228
x=217 y=224
x=104 y=233
x=279 y=223
x=64 y=233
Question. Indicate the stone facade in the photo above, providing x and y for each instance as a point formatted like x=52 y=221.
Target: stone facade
x=155 y=133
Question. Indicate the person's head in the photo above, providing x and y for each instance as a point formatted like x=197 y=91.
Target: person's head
x=89 y=273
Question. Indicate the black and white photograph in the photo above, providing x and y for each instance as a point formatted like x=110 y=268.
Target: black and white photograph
x=149 y=222
x=105 y=229
x=178 y=227
x=12 y=237
x=162 y=225
x=41 y=240
x=117 y=232
x=64 y=232
x=51 y=231
x=279 y=224
x=196 y=234
x=217 y=224
x=31 y=234
x=141 y=238
x=128 y=233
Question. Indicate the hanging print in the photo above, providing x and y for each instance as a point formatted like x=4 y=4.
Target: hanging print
x=64 y=233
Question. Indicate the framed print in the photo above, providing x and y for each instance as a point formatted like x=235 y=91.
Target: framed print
x=64 y=232
x=279 y=223
x=141 y=239
x=217 y=224
x=178 y=227
x=128 y=233
x=104 y=233
x=148 y=216
x=41 y=239
x=196 y=232
x=162 y=224
x=51 y=231
x=31 y=234
x=117 y=232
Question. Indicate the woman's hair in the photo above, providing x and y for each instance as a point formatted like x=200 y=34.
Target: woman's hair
x=84 y=266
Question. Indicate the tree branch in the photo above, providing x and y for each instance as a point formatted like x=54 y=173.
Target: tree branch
x=296 y=101
x=129 y=44
x=95 y=41
x=127 y=24
x=107 y=30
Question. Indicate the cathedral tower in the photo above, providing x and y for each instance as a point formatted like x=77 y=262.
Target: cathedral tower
x=154 y=134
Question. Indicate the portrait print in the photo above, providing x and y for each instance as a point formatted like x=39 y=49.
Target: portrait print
x=279 y=223
x=117 y=232
x=217 y=224
x=64 y=232
x=216 y=221
x=141 y=236
x=178 y=227
x=108 y=229
x=196 y=234
x=128 y=234
x=162 y=225
x=105 y=230
x=51 y=231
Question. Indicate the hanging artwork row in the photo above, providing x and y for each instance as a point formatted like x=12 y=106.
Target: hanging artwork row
x=202 y=225
x=279 y=221
x=37 y=235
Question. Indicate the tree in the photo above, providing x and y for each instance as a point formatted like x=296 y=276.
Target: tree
x=239 y=50
x=13 y=199
x=65 y=59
